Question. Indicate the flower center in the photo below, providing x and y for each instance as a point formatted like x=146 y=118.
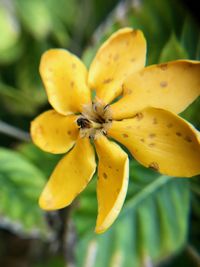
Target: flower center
x=95 y=120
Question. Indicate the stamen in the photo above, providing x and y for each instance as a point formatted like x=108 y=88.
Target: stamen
x=83 y=123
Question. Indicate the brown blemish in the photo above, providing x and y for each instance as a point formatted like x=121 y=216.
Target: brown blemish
x=142 y=140
x=69 y=132
x=154 y=166
x=139 y=116
x=109 y=167
x=128 y=127
x=118 y=190
x=132 y=59
x=116 y=57
x=134 y=33
x=155 y=121
x=152 y=144
x=73 y=66
x=128 y=91
x=39 y=130
x=163 y=66
x=163 y=84
x=152 y=135
x=188 y=139
x=50 y=70
x=107 y=80
x=117 y=170
x=178 y=134
x=72 y=84
x=105 y=176
x=57 y=131
x=169 y=125
x=125 y=135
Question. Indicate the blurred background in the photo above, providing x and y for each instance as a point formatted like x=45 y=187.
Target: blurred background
x=160 y=222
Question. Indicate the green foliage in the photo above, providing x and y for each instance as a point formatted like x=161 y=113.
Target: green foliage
x=21 y=183
x=152 y=224
x=173 y=50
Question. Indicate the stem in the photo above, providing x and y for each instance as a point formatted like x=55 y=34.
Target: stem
x=14 y=132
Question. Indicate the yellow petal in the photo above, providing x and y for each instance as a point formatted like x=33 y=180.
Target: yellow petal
x=172 y=86
x=160 y=140
x=70 y=176
x=53 y=132
x=64 y=77
x=112 y=183
x=123 y=53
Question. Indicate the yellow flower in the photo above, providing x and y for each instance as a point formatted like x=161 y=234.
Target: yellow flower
x=143 y=118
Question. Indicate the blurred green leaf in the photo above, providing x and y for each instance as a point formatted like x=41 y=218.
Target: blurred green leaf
x=190 y=38
x=21 y=183
x=173 y=50
x=17 y=102
x=35 y=17
x=43 y=160
x=152 y=225
x=10 y=46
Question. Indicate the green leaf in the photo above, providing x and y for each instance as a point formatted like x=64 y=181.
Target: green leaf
x=173 y=50
x=43 y=160
x=15 y=101
x=35 y=16
x=10 y=46
x=21 y=183
x=152 y=226
x=190 y=38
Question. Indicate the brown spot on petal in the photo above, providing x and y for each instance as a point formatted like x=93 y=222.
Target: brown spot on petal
x=142 y=140
x=105 y=176
x=107 y=80
x=39 y=130
x=139 y=116
x=155 y=121
x=152 y=144
x=116 y=57
x=129 y=91
x=132 y=59
x=152 y=135
x=72 y=84
x=118 y=190
x=73 y=66
x=163 y=84
x=117 y=170
x=69 y=132
x=125 y=135
x=127 y=43
x=178 y=134
x=109 y=167
x=188 y=139
x=163 y=66
x=154 y=166
x=134 y=33
x=169 y=125
x=128 y=127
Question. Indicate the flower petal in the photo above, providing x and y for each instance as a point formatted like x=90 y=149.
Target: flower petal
x=172 y=86
x=160 y=140
x=64 y=77
x=123 y=53
x=70 y=176
x=53 y=132
x=112 y=184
